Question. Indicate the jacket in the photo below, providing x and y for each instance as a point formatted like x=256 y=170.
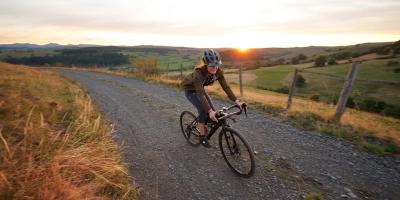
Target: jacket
x=199 y=78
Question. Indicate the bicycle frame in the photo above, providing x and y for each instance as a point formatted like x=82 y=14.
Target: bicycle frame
x=215 y=127
x=221 y=121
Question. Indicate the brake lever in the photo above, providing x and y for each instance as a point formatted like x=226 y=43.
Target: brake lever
x=244 y=106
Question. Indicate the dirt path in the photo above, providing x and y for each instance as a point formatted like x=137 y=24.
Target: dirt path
x=290 y=163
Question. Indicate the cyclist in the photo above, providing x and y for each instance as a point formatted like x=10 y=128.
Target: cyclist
x=204 y=74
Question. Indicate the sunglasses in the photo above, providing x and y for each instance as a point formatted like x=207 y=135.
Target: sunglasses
x=213 y=66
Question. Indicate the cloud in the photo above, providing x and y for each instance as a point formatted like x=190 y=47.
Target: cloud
x=200 y=19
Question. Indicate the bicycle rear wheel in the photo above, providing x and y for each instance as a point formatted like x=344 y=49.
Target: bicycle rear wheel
x=188 y=123
x=237 y=153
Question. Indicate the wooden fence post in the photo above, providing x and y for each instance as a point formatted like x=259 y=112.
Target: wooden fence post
x=351 y=77
x=181 y=71
x=167 y=68
x=289 y=103
x=240 y=80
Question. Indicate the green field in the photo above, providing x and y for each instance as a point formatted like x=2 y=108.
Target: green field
x=328 y=87
x=173 y=58
x=273 y=77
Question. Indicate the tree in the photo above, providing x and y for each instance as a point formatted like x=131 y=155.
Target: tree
x=298 y=59
x=146 y=66
x=295 y=61
x=396 y=47
x=332 y=61
x=320 y=61
x=302 y=57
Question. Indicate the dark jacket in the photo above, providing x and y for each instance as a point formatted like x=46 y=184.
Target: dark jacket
x=199 y=78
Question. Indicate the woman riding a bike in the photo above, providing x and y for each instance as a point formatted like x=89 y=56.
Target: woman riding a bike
x=206 y=73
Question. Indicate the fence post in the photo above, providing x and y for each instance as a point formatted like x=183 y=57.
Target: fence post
x=167 y=68
x=351 y=77
x=181 y=71
x=289 y=103
x=240 y=80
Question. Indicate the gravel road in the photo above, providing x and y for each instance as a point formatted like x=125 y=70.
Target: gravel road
x=290 y=163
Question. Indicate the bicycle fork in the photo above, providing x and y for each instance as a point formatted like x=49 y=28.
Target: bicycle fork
x=229 y=138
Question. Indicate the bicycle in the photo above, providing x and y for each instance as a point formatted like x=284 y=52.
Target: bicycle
x=234 y=148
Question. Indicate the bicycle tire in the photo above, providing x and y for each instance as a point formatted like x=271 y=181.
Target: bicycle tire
x=188 y=127
x=231 y=149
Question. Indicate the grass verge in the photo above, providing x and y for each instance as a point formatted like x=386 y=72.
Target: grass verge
x=54 y=144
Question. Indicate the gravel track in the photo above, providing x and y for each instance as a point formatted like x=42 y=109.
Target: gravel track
x=290 y=163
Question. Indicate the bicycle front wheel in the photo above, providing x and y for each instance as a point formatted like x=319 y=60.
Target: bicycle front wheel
x=188 y=123
x=237 y=152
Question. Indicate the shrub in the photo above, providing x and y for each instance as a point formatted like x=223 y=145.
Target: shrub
x=342 y=55
x=391 y=110
x=392 y=63
x=320 y=61
x=300 y=81
x=284 y=90
x=371 y=105
x=314 y=97
x=302 y=57
x=350 y=102
x=146 y=66
x=332 y=61
x=335 y=99
x=295 y=61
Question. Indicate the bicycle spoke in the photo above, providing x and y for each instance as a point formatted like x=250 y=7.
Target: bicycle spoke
x=188 y=127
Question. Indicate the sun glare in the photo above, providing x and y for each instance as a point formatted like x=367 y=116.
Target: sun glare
x=242 y=49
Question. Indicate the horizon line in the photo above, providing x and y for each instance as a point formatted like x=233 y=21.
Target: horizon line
x=107 y=45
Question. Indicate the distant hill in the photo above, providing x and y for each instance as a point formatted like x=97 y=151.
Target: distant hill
x=18 y=46
x=311 y=52
x=169 y=57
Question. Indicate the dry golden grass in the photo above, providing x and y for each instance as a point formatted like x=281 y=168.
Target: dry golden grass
x=381 y=126
x=53 y=142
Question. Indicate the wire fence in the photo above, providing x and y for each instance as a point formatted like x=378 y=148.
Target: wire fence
x=317 y=84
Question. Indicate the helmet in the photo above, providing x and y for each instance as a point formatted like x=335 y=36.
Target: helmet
x=211 y=58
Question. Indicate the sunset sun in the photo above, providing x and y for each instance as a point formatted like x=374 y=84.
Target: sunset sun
x=243 y=49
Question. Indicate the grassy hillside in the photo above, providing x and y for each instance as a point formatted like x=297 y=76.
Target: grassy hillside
x=53 y=143
x=370 y=70
x=357 y=48
x=175 y=56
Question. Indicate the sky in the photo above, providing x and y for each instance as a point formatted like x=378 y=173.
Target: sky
x=205 y=23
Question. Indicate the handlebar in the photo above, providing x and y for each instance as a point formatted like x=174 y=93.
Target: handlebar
x=222 y=114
